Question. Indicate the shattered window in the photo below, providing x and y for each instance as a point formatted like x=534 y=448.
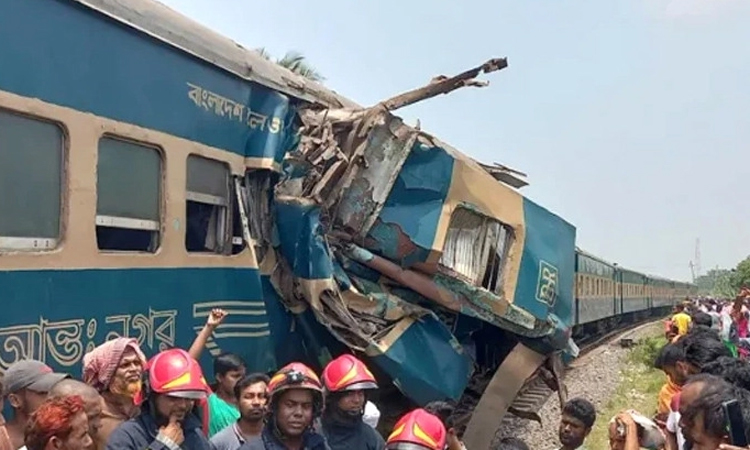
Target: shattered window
x=476 y=249
x=31 y=160
x=207 y=206
x=128 y=201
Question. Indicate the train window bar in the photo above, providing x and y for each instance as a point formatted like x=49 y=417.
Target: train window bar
x=26 y=243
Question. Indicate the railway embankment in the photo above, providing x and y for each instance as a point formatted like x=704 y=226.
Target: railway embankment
x=613 y=378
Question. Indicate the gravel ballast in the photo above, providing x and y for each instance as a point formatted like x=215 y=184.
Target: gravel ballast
x=594 y=379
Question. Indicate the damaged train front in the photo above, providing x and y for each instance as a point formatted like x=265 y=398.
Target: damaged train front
x=430 y=265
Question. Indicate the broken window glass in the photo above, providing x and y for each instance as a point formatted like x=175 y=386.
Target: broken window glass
x=475 y=249
x=128 y=203
x=207 y=207
x=31 y=161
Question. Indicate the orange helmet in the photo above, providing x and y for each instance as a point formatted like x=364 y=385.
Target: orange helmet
x=294 y=376
x=347 y=373
x=417 y=430
x=175 y=373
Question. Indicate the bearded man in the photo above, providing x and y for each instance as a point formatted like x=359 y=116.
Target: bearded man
x=115 y=369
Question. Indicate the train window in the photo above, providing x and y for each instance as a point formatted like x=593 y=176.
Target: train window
x=208 y=228
x=128 y=200
x=476 y=248
x=30 y=200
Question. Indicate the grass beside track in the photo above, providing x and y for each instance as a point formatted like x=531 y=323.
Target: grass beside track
x=638 y=387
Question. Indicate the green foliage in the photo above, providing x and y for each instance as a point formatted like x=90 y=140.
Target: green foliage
x=295 y=62
x=725 y=283
x=638 y=386
x=646 y=350
x=717 y=283
x=741 y=275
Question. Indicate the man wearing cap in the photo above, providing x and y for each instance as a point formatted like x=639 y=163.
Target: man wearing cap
x=25 y=385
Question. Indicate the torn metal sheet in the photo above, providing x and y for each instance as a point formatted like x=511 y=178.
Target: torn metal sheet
x=444 y=85
x=371 y=177
x=439 y=370
x=506 y=175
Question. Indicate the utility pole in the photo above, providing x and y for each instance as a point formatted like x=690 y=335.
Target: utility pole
x=695 y=264
x=697 y=258
x=692 y=270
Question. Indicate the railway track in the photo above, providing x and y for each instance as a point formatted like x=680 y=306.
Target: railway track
x=600 y=341
x=532 y=396
x=536 y=392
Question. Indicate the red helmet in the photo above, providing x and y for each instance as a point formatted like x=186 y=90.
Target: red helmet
x=175 y=373
x=294 y=376
x=417 y=430
x=347 y=373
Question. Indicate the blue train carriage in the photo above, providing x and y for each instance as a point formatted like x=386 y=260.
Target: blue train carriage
x=596 y=303
x=634 y=297
x=662 y=297
x=122 y=141
x=144 y=139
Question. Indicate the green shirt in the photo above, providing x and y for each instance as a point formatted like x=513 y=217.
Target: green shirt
x=220 y=414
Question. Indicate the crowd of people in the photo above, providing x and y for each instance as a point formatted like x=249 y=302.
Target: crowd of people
x=125 y=402
x=706 y=367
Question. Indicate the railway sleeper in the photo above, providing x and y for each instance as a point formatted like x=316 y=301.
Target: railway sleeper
x=520 y=386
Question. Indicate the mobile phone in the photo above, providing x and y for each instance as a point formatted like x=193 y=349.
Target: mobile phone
x=735 y=423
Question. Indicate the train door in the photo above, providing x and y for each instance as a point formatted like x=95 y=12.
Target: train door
x=620 y=293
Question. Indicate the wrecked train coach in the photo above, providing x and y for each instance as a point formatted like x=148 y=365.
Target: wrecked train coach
x=413 y=254
x=175 y=172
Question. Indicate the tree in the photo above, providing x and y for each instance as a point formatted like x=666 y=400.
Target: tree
x=715 y=282
x=295 y=62
x=741 y=275
x=723 y=286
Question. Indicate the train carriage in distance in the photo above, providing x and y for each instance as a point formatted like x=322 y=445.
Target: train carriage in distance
x=607 y=295
x=596 y=292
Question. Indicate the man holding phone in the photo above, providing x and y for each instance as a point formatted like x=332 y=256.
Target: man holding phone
x=718 y=417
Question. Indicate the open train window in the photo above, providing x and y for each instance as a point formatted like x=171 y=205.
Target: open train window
x=31 y=177
x=208 y=199
x=476 y=249
x=128 y=200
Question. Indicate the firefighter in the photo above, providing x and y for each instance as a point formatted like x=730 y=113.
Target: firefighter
x=346 y=380
x=418 y=430
x=173 y=382
x=295 y=400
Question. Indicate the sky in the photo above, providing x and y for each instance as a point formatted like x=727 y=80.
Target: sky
x=630 y=117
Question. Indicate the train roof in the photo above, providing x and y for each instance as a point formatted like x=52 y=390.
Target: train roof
x=653 y=277
x=176 y=30
x=594 y=257
x=167 y=25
